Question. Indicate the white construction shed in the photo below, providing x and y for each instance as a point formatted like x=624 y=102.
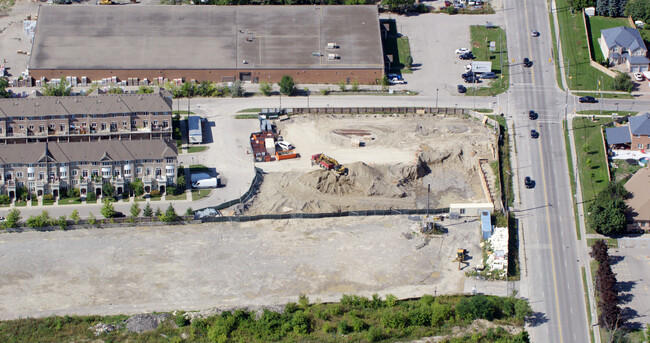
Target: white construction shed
x=481 y=67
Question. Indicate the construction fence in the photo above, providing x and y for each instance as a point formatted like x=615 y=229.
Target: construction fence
x=377 y=110
x=391 y=212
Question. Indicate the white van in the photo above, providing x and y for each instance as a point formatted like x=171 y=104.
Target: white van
x=285 y=145
x=207 y=183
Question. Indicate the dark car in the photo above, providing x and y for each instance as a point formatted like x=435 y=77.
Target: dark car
x=529 y=182
x=462 y=89
x=466 y=56
x=588 y=99
x=448 y=3
x=472 y=79
x=534 y=34
x=118 y=214
x=534 y=134
x=532 y=115
x=489 y=75
x=528 y=63
x=466 y=75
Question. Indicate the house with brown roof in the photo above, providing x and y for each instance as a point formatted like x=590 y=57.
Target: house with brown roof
x=639 y=203
x=49 y=144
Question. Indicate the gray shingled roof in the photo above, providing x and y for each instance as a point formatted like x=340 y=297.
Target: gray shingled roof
x=618 y=135
x=638 y=60
x=623 y=36
x=97 y=104
x=640 y=124
x=64 y=152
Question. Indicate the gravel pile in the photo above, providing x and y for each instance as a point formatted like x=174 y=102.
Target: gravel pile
x=145 y=322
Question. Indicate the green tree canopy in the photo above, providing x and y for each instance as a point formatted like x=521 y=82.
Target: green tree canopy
x=3 y=87
x=638 y=10
x=287 y=86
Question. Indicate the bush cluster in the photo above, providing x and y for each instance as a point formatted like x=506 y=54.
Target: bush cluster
x=607 y=213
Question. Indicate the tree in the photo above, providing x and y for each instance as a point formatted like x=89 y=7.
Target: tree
x=451 y=10
x=145 y=90
x=39 y=221
x=265 y=88
x=522 y=309
x=135 y=210
x=62 y=222
x=623 y=82
x=107 y=189
x=287 y=86
x=355 y=86
x=187 y=90
x=51 y=89
x=409 y=62
x=236 y=90
x=399 y=6
x=4 y=84
x=602 y=6
x=607 y=211
x=613 y=8
x=599 y=251
x=147 y=211
x=158 y=213
x=189 y=211
x=342 y=86
x=170 y=214
x=91 y=219
x=75 y=216
x=138 y=187
x=108 y=211
x=637 y=9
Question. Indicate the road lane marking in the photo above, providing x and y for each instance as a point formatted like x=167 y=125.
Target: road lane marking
x=530 y=52
x=548 y=224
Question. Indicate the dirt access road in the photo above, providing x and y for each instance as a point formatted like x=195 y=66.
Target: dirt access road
x=194 y=267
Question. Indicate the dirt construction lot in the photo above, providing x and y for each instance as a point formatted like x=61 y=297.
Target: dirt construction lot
x=218 y=265
x=398 y=158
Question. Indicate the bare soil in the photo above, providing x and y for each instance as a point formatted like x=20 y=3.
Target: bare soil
x=398 y=159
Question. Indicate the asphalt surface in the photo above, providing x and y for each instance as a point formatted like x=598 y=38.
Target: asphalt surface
x=553 y=283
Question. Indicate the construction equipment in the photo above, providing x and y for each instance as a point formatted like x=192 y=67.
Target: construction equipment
x=328 y=163
x=105 y=2
x=460 y=257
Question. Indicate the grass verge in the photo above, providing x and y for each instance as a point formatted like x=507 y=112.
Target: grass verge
x=605 y=95
x=592 y=162
x=182 y=196
x=200 y=194
x=572 y=178
x=193 y=149
x=250 y=110
x=247 y=116
x=69 y=201
x=404 y=50
x=611 y=242
x=556 y=53
x=480 y=37
x=586 y=294
x=620 y=113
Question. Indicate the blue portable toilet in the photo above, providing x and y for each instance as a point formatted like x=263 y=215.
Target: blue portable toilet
x=486 y=224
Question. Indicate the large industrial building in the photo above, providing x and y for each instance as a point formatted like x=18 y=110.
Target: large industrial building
x=150 y=44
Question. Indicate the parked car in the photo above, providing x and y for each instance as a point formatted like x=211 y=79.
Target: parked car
x=529 y=182
x=207 y=183
x=528 y=63
x=587 y=99
x=534 y=34
x=462 y=50
x=462 y=89
x=466 y=56
x=448 y=3
x=396 y=81
x=472 y=79
x=394 y=76
x=466 y=75
x=534 y=134
x=468 y=67
x=638 y=76
x=489 y=75
x=532 y=115
x=285 y=145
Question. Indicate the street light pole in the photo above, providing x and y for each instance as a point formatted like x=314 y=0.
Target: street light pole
x=601 y=95
x=436 y=100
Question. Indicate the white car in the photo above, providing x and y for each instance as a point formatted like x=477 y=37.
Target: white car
x=285 y=145
x=638 y=76
x=468 y=68
x=534 y=34
x=462 y=50
x=397 y=81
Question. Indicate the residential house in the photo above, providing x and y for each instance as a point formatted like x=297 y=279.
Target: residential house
x=635 y=135
x=639 y=203
x=624 y=45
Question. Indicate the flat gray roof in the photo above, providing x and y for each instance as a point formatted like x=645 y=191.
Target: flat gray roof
x=206 y=37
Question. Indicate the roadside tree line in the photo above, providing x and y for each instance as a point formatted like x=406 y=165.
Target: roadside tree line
x=610 y=315
x=607 y=213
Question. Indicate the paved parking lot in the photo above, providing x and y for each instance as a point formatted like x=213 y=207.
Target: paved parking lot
x=632 y=266
x=434 y=39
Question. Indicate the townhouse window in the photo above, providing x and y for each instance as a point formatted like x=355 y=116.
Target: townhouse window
x=30 y=175
x=106 y=173
x=51 y=126
x=138 y=170
x=75 y=172
x=127 y=172
x=95 y=163
x=647 y=146
x=41 y=175
x=31 y=127
x=31 y=186
x=94 y=172
x=170 y=160
x=462 y=211
x=155 y=123
x=116 y=172
x=640 y=146
x=75 y=182
x=159 y=161
x=19 y=174
x=145 y=123
x=103 y=126
x=134 y=123
x=106 y=163
x=149 y=171
x=165 y=123
x=52 y=175
x=62 y=126
x=158 y=172
x=8 y=177
x=84 y=173
x=93 y=125
x=83 y=124
x=41 y=128
x=125 y=123
x=64 y=174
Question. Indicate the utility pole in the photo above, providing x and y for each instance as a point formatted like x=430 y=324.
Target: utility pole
x=436 y=100
x=601 y=95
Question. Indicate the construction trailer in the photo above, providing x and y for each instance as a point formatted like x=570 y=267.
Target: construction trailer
x=195 y=129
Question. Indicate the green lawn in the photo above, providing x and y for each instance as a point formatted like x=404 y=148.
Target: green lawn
x=558 y=72
x=396 y=46
x=620 y=113
x=247 y=116
x=69 y=201
x=182 y=112
x=182 y=196
x=589 y=145
x=20 y=203
x=48 y=202
x=580 y=75
x=605 y=95
x=200 y=193
x=621 y=169
x=611 y=242
x=250 y=110
x=598 y=23
x=481 y=36
x=587 y=300
x=193 y=149
x=404 y=50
